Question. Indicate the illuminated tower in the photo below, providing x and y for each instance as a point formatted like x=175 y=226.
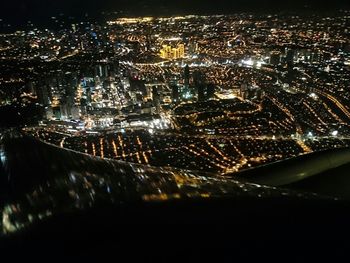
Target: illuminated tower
x=181 y=50
x=193 y=48
x=175 y=53
x=166 y=52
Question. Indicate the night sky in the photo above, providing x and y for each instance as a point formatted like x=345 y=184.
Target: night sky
x=19 y=11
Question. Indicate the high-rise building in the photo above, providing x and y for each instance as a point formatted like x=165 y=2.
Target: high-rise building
x=187 y=76
x=290 y=57
x=114 y=68
x=318 y=56
x=155 y=96
x=165 y=52
x=64 y=111
x=56 y=112
x=244 y=90
x=102 y=70
x=42 y=92
x=181 y=50
x=30 y=87
x=70 y=85
x=175 y=53
x=192 y=48
x=88 y=95
x=74 y=28
x=75 y=113
x=200 y=85
x=175 y=90
x=210 y=91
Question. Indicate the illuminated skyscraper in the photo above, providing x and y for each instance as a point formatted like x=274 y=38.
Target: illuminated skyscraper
x=193 y=48
x=181 y=50
x=165 y=52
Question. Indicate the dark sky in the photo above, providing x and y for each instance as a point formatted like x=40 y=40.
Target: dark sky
x=39 y=10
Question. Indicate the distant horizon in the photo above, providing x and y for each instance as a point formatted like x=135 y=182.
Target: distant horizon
x=18 y=12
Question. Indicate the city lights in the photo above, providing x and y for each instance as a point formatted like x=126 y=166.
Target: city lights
x=218 y=93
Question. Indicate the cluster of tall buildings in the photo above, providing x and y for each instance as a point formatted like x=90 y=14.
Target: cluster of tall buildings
x=58 y=94
x=169 y=52
x=291 y=56
x=251 y=92
x=194 y=85
x=68 y=95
